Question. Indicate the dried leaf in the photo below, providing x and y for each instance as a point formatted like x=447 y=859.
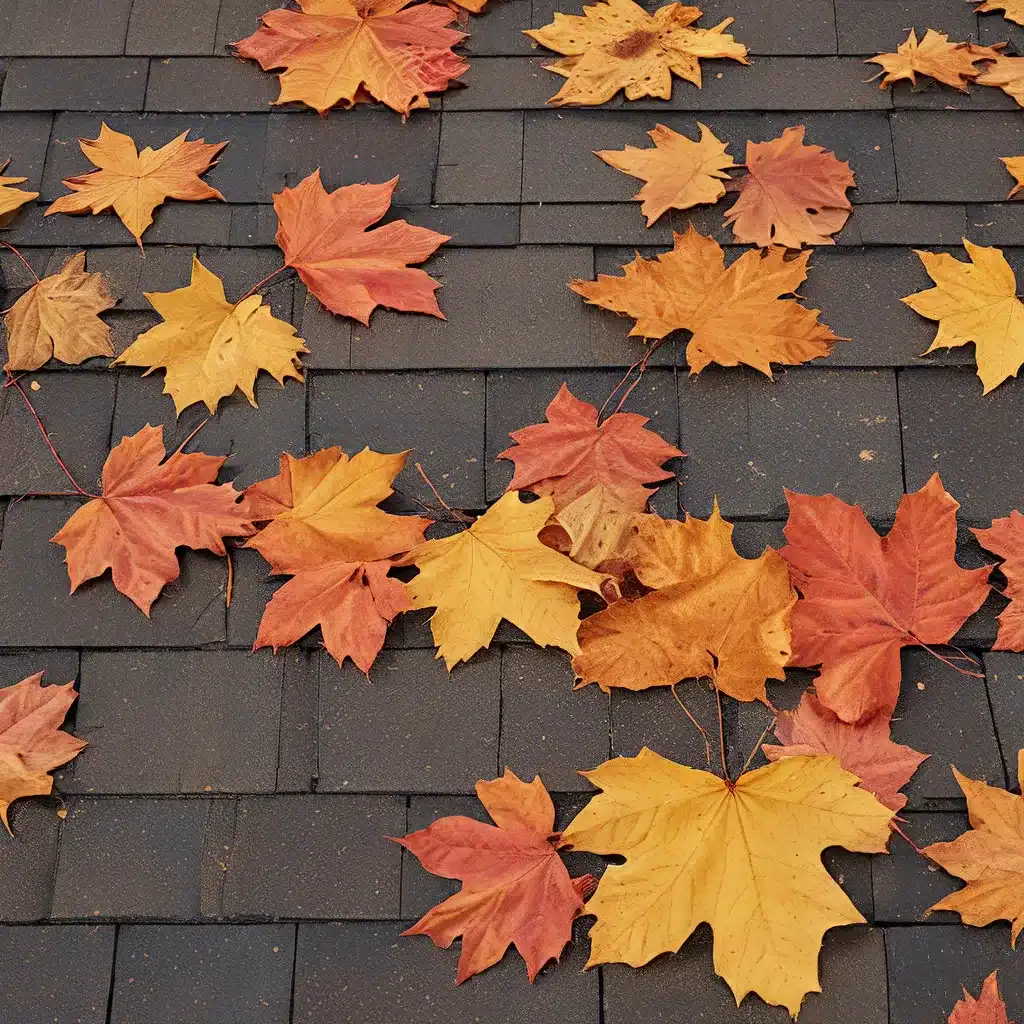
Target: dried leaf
x=865 y=597
x=988 y=1008
x=679 y=172
x=1006 y=73
x=1015 y=165
x=950 y=63
x=736 y=314
x=597 y=527
x=1005 y=538
x=744 y=857
x=135 y=183
x=349 y=269
x=617 y=45
x=335 y=51
x=1013 y=10
x=151 y=505
x=793 y=194
x=515 y=888
x=58 y=318
x=12 y=199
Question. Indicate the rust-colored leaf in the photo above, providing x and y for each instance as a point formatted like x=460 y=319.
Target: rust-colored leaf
x=935 y=56
x=989 y=1007
x=1005 y=538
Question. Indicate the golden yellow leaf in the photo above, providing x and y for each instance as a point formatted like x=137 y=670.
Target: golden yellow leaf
x=597 y=524
x=209 y=347
x=679 y=172
x=1006 y=73
x=1015 y=165
x=934 y=55
x=58 y=317
x=712 y=613
x=1013 y=10
x=743 y=857
x=975 y=302
x=617 y=45
x=498 y=569
x=12 y=199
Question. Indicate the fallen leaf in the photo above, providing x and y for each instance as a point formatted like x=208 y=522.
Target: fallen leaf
x=515 y=888
x=865 y=749
x=1013 y=10
x=32 y=743
x=1015 y=165
x=596 y=527
x=209 y=346
x=1006 y=73
x=617 y=45
x=58 y=318
x=351 y=270
x=1005 y=538
x=950 y=63
x=736 y=314
x=679 y=172
x=975 y=302
x=495 y=569
x=865 y=597
x=135 y=183
x=712 y=613
x=988 y=1008
x=793 y=194
x=152 y=504
x=335 y=51
x=12 y=199
x=989 y=857
x=572 y=453
x=744 y=857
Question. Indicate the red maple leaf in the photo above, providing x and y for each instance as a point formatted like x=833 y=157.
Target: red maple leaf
x=1005 y=538
x=988 y=1008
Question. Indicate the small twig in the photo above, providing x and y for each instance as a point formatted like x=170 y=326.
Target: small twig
x=465 y=520
x=28 y=266
x=640 y=363
x=259 y=284
x=757 y=745
x=700 y=728
x=643 y=369
x=917 y=849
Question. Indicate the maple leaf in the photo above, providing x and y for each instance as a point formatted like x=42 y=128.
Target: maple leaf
x=989 y=857
x=793 y=194
x=495 y=569
x=617 y=45
x=209 y=346
x=12 y=199
x=712 y=613
x=515 y=888
x=935 y=56
x=865 y=597
x=326 y=531
x=349 y=269
x=988 y=1008
x=865 y=749
x=135 y=183
x=1005 y=538
x=744 y=857
x=152 y=504
x=1015 y=165
x=59 y=317
x=336 y=51
x=595 y=525
x=572 y=453
x=1006 y=73
x=32 y=743
x=679 y=172
x=736 y=314
x=1013 y=10
x=975 y=302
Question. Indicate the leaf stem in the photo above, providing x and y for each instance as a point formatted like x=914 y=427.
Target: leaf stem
x=949 y=662
x=259 y=284
x=458 y=516
x=28 y=266
x=721 y=730
x=700 y=728
x=641 y=366
x=917 y=849
x=757 y=745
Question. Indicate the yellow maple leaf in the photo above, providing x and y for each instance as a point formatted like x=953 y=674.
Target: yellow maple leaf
x=989 y=857
x=498 y=569
x=950 y=63
x=1006 y=73
x=1013 y=10
x=744 y=857
x=12 y=199
x=679 y=172
x=736 y=314
x=975 y=302
x=1015 y=165
x=135 y=183
x=712 y=613
x=58 y=317
x=210 y=347
x=617 y=45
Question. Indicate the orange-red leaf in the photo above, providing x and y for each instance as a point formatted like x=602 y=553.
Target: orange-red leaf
x=349 y=269
x=573 y=453
x=515 y=888
x=151 y=505
x=864 y=748
x=1005 y=538
x=988 y=1008
x=864 y=597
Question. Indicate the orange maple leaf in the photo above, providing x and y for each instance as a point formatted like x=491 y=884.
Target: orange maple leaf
x=793 y=194
x=865 y=597
x=336 y=51
x=1006 y=73
x=988 y=1008
x=572 y=453
x=135 y=183
x=151 y=505
x=349 y=269
x=935 y=56
x=515 y=888
x=1005 y=538
x=866 y=748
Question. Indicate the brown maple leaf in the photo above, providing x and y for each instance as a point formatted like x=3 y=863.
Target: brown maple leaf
x=1006 y=73
x=1005 y=538
x=32 y=743
x=152 y=504
x=935 y=56
x=350 y=269
x=515 y=888
x=793 y=194
x=865 y=748
x=988 y=1008
x=865 y=597
x=736 y=314
x=572 y=453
